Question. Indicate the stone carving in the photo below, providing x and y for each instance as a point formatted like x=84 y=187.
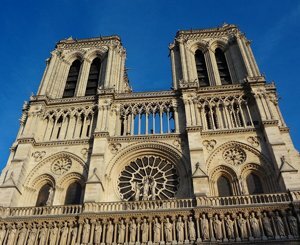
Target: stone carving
x=217 y=225
x=121 y=232
x=114 y=147
x=22 y=236
x=53 y=235
x=267 y=225
x=98 y=232
x=43 y=235
x=209 y=144
x=254 y=140
x=32 y=235
x=50 y=197
x=229 y=227
x=64 y=234
x=145 y=231
x=148 y=178
x=61 y=165
x=180 y=229
x=168 y=230
x=73 y=234
x=177 y=143
x=293 y=224
x=242 y=226
x=279 y=225
x=191 y=229
x=110 y=232
x=86 y=231
x=204 y=227
x=38 y=155
x=156 y=230
x=12 y=232
x=2 y=233
x=132 y=229
x=254 y=226
x=84 y=152
x=234 y=156
x=242 y=186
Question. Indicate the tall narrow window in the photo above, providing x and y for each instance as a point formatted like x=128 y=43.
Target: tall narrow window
x=73 y=195
x=43 y=195
x=254 y=184
x=222 y=67
x=72 y=79
x=201 y=69
x=92 y=84
x=224 y=187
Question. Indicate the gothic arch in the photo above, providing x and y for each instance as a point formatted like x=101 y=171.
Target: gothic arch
x=94 y=53
x=42 y=180
x=72 y=56
x=136 y=150
x=218 y=43
x=201 y=45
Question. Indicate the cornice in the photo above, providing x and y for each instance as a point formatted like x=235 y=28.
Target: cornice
x=53 y=143
x=132 y=138
x=42 y=98
x=227 y=131
x=143 y=95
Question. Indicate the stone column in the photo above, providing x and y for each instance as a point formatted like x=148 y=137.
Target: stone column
x=212 y=236
x=225 y=239
x=183 y=61
x=80 y=222
x=237 y=238
x=93 y=221
x=248 y=227
x=108 y=67
x=197 y=217
x=239 y=38
x=104 y=231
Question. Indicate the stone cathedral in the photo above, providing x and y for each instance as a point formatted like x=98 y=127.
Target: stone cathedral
x=209 y=161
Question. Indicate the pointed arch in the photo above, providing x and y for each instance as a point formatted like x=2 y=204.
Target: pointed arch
x=201 y=68
x=72 y=79
x=222 y=67
x=93 y=78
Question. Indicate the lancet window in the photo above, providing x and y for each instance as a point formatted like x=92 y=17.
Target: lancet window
x=43 y=195
x=73 y=194
x=72 y=79
x=224 y=186
x=92 y=83
x=222 y=67
x=147 y=118
x=254 y=184
x=225 y=113
x=201 y=69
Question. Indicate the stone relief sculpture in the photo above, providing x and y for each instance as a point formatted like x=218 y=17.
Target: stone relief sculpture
x=73 y=234
x=146 y=186
x=132 y=229
x=32 y=235
x=145 y=231
x=50 y=197
x=217 y=225
x=22 y=235
x=2 y=233
x=137 y=190
x=156 y=230
x=168 y=230
x=229 y=227
x=98 y=232
x=64 y=234
x=279 y=225
x=86 y=231
x=204 y=227
x=43 y=235
x=53 y=235
x=191 y=229
x=110 y=232
x=121 y=230
x=254 y=226
x=242 y=226
x=293 y=224
x=267 y=225
x=12 y=232
x=153 y=190
x=180 y=229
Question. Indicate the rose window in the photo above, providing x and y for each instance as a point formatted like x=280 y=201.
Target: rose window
x=234 y=156
x=61 y=165
x=148 y=178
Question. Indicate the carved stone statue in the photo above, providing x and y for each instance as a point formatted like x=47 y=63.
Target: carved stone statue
x=242 y=187
x=229 y=227
x=64 y=234
x=50 y=197
x=180 y=230
x=73 y=235
x=279 y=225
x=53 y=235
x=137 y=190
x=32 y=236
x=145 y=231
x=293 y=224
x=22 y=236
x=12 y=235
x=156 y=230
x=267 y=225
x=204 y=227
x=86 y=231
x=2 y=233
x=153 y=189
x=168 y=230
x=191 y=228
x=132 y=229
x=121 y=230
x=255 y=226
x=109 y=233
x=217 y=224
x=43 y=235
x=242 y=225
x=146 y=189
x=98 y=232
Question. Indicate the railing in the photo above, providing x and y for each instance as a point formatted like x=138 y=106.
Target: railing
x=157 y=205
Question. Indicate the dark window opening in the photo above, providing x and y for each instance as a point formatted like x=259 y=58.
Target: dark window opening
x=73 y=195
x=224 y=187
x=201 y=69
x=222 y=67
x=92 y=84
x=254 y=184
x=72 y=79
x=43 y=195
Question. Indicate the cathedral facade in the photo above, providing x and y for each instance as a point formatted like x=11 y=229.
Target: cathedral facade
x=209 y=161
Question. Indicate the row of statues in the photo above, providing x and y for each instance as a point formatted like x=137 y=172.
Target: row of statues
x=180 y=229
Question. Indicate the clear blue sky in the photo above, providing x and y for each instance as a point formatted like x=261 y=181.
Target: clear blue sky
x=30 y=29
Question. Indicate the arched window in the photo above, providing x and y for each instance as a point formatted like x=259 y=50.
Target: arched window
x=222 y=67
x=224 y=186
x=72 y=79
x=92 y=84
x=43 y=195
x=254 y=184
x=73 y=195
x=201 y=69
